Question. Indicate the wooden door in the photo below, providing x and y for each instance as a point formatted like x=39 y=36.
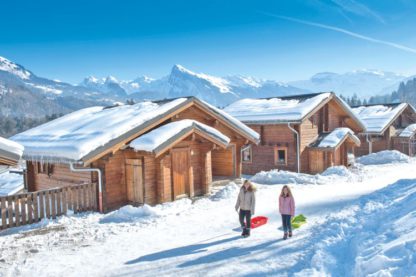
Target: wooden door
x=180 y=171
x=134 y=181
x=316 y=161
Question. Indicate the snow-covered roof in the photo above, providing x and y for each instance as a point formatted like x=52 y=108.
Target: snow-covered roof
x=10 y=150
x=378 y=117
x=10 y=183
x=83 y=134
x=274 y=109
x=409 y=131
x=336 y=137
x=160 y=138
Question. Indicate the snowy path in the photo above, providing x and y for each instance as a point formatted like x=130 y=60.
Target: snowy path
x=197 y=239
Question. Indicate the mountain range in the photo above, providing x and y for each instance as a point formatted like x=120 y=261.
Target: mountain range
x=24 y=94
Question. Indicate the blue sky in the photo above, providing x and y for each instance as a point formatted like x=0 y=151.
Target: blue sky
x=281 y=40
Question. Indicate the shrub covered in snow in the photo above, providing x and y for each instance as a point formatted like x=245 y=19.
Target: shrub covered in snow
x=383 y=157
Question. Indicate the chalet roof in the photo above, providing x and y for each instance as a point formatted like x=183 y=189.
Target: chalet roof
x=85 y=134
x=291 y=109
x=409 y=131
x=159 y=139
x=10 y=151
x=334 y=139
x=377 y=118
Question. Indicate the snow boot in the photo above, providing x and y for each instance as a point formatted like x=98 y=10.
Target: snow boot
x=247 y=233
x=244 y=232
x=290 y=234
x=285 y=236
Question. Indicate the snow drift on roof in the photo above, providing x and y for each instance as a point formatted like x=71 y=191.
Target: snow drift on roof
x=409 y=131
x=274 y=109
x=11 y=147
x=377 y=118
x=73 y=136
x=233 y=120
x=157 y=137
x=334 y=138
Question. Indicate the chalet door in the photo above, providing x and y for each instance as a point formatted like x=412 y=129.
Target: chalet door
x=180 y=171
x=134 y=181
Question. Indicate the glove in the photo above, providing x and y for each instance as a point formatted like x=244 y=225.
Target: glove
x=236 y=209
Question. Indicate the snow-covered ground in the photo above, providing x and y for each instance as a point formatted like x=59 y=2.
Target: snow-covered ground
x=360 y=223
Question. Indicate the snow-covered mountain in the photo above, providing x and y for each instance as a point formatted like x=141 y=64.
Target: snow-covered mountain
x=364 y=83
x=219 y=91
x=22 y=93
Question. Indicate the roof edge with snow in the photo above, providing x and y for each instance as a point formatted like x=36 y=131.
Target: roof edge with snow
x=10 y=152
x=174 y=132
x=388 y=123
x=334 y=139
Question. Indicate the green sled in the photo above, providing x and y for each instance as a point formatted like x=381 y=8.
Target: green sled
x=298 y=221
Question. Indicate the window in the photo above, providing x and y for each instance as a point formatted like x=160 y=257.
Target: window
x=246 y=154
x=280 y=155
x=45 y=168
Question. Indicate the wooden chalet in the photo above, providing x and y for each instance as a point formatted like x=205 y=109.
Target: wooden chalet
x=304 y=133
x=149 y=152
x=388 y=127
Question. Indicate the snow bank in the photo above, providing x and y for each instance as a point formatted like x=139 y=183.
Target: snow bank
x=276 y=176
x=129 y=214
x=334 y=138
x=157 y=137
x=146 y=213
x=341 y=171
x=10 y=183
x=274 y=109
x=382 y=248
x=383 y=157
x=229 y=191
x=377 y=117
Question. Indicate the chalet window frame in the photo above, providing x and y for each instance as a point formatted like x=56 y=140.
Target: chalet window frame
x=276 y=155
x=247 y=148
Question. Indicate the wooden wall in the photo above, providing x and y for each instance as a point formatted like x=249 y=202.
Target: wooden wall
x=328 y=118
x=201 y=116
x=61 y=176
x=308 y=134
x=263 y=154
x=402 y=145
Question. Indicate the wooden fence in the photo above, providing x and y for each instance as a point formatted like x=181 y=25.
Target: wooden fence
x=28 y=208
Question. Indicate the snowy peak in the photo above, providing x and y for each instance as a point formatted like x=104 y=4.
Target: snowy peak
x=182 y=77
x=14 y=69
x=364 y=82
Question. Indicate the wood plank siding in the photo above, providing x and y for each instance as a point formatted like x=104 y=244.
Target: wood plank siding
x=275 y=136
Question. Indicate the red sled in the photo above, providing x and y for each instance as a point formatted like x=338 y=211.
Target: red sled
x=258 y=221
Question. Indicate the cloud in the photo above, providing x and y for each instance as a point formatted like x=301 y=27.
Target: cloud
x=344 y=31
x=354 y=7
